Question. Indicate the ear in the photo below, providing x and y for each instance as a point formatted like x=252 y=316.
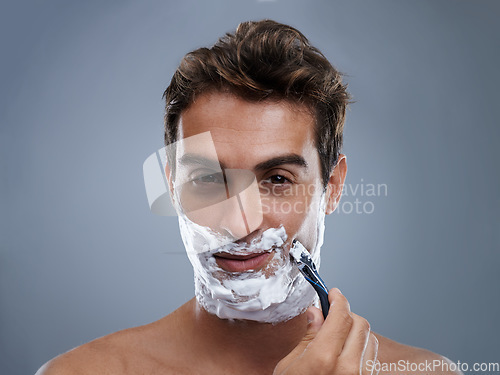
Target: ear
x=336 y=184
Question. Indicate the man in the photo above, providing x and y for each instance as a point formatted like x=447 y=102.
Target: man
x=254 y=130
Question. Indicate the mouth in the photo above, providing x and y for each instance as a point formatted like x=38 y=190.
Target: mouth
x=242 y=263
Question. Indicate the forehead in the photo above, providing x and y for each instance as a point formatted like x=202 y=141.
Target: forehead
x=247 y=132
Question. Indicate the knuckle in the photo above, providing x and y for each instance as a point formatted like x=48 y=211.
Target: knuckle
x=341 y=299
x=365 y=325
x=347 y=318
x=308 y=337
x=361 y=323
x=345 y=304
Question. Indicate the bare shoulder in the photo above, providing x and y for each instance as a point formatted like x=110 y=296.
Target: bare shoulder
x=405 y=359
x=106 y=355
x=141 y=349
x=93 y=357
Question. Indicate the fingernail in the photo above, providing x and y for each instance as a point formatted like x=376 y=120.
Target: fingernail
x=338 y=290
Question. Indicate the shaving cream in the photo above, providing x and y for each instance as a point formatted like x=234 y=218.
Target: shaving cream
x=273 y=294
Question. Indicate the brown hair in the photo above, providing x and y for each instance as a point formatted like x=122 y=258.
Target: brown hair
x=265 y=60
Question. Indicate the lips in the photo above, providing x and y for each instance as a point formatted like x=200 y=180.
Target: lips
x=242 y=263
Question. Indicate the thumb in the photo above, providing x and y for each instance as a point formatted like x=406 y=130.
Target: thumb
x=314 y=322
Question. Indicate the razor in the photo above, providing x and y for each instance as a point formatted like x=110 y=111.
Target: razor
x=301 y=257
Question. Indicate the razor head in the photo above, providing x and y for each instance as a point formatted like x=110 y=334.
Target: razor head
x=301 y=256
x=306 y=266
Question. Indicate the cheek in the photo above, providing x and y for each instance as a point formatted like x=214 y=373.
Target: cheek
x=308 y=230
x=299 y=216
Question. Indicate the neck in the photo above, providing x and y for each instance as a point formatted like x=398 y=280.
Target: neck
x=245 y=344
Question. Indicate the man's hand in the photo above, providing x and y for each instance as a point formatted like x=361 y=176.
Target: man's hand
x=342 y=344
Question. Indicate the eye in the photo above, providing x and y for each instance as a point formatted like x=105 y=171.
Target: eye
x=206 y=179
x=278 y=180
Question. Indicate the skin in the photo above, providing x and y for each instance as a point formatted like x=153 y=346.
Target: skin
x=192 y=341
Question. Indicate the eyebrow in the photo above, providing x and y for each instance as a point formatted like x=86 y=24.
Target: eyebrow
x=193 y=159
x=282 y=160
x=294 y=159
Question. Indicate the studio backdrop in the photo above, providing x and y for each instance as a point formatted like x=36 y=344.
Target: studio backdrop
x=414 y=244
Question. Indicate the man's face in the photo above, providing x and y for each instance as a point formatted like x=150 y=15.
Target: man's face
x=247 y=183
x=276 y=142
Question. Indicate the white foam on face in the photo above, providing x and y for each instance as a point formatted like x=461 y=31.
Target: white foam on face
x=273 y=294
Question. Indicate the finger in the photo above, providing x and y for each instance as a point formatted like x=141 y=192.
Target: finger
x=350 y=360
x=329 y=341
x=314 y=323
x=357 y=339
x=370 y=364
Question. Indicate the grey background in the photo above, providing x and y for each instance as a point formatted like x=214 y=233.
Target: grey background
x=81 y=256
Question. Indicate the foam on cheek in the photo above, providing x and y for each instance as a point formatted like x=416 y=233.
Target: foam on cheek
x=274 y=294
x=320 y=230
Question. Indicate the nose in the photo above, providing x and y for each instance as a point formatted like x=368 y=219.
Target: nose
x=233 y=221
x=245 y=212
